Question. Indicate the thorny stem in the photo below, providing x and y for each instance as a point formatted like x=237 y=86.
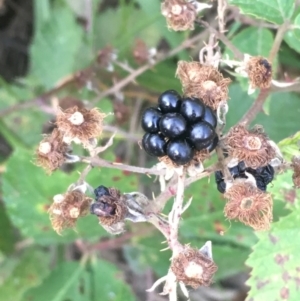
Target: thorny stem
x=99 y=162
x=175 y=214
x=237 y=54
x=255 y=108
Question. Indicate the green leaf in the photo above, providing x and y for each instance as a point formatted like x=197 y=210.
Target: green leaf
x=27 y=199
x=297 y=27
x=78 y=282
x=275 y=11
x=7 y=238
x=54 y=47
x=290 y=146
x=62 y=284
x=254 y=41
x=275 y=262
x=29 y=272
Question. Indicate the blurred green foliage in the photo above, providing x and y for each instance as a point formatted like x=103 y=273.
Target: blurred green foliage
x=31 y=264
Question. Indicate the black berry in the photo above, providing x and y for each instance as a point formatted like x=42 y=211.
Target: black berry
x=192 y=109
x=201 y=135
x=221 y=185
x=213 y=144
x=154 y=144
x=150 y=120
x=172 y=125
x=101 y=191
x=169 y=101
x=179 y=151
x=210 y=117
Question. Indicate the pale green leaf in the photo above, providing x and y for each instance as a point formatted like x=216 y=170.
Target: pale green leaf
x=290 y=146
x=29 y=272
x=275 y=262
x=297 y=27
x=54 y=47
x=275 y=11
x=254 y=41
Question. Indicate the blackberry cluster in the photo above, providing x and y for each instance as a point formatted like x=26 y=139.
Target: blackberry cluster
x=101 y=208
x=178 y=127
x=263 y=175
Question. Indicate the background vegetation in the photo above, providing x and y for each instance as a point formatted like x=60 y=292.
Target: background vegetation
x=48 y=51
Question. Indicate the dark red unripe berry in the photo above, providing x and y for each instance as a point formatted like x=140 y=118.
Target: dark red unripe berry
x=210 y=117
x=154 y=144
x=172 y=125
x=192 y=109
x=150 y=120
x=201 y=135
x=179 y=151
x=169 y=101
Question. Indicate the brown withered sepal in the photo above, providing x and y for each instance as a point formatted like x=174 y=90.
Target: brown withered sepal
x=64 y=214
x=250 y=146
x=249 y=205
x=140 y=52
x=204 y=82
x=259 y=71
x=180 y=14
x=296 y=169
x=117 y=202
x=88 y=126
x=51 y=151
x=193 y=268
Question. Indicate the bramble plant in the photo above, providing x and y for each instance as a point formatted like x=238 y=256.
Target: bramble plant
x=177 y=116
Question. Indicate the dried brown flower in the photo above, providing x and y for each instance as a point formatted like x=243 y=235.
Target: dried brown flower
x=249 y=205
x=67 y=209
x=111 y=209
x=296 y=168
x=180 y=14
x=105 y=57
x=193 y=268
x=140 y=52
x=51 y=152
x=80 y=124
x=204 y=82
x=259 y=71
x=250 y=146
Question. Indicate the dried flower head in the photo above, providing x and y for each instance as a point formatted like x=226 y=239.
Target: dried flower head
x=67 y=209
x=106 y=57
x=249 y=205
x=110 y=209
x=180 y=14
x=251 y=146
x=51 y=151
x=296 y=168
x=142 y=54
x=204 y=82
x=259 y=71
x=80 y=124
x=193 y=268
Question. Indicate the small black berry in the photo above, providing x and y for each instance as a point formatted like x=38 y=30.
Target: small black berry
x=192 y=109
x=101 y=191
x=180 y=152
x=221 y=185
x=210 y=117
x=150 y=120
x=169 y=101
x=154 y=144
x=201 y=135
x=172 y=125
x=213 y=144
